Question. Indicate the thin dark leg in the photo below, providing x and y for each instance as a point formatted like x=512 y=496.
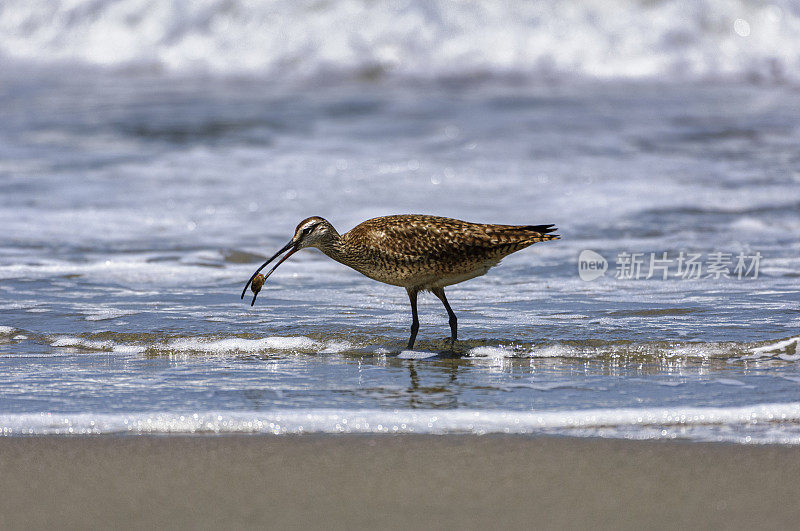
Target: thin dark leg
x=439 y=292
x=412 y=296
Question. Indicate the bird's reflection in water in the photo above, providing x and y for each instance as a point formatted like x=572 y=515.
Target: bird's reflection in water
x=420 y=395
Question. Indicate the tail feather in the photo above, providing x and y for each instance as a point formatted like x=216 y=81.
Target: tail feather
x=545 y=232
x=520 y=236
x=544 y=229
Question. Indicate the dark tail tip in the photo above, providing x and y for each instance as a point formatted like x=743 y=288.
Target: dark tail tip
x=544 y=229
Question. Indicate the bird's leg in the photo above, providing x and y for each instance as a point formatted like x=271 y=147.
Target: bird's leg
x=439 y=292
x=412 y=296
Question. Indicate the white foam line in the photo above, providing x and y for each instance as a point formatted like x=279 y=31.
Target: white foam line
x=392 y=421
x=220 y=346
x=213 y=346
x=70 y=341
x=232 y=345
x=566 y=351
x=775 y=347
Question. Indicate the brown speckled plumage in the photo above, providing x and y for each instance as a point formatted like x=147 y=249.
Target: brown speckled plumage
x=419 y=252
x=422 y=252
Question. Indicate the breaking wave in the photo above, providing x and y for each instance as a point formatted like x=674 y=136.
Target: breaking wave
x=757 y=423
x=286 y=39
x=159 y=344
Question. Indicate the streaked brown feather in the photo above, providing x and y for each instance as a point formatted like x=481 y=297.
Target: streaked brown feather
x=420 y=251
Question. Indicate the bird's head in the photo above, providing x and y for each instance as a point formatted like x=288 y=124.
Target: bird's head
x=311 y=232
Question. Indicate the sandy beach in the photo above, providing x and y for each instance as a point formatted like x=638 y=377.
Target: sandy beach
x=393 y=481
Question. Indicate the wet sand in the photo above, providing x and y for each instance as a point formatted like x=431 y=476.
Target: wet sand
x=393 y=481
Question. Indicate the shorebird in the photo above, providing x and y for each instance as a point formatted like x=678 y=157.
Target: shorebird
x=416 y=252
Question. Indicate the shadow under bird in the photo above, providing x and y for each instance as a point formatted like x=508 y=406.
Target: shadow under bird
x=416 y=252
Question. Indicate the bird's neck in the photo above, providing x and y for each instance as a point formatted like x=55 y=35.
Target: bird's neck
x=333 y=247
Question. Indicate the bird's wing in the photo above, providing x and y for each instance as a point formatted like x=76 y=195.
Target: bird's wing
x=410 y=237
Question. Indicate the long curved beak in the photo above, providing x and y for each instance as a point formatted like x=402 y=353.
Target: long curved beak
x=287 y=247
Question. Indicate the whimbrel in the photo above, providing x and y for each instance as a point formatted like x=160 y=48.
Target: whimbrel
x=416 y=252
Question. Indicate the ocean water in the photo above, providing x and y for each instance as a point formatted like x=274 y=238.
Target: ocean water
x=144 y=177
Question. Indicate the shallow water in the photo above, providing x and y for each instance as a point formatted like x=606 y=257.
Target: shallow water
x=134 y=208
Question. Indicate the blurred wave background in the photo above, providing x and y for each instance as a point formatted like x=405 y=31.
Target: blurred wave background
x=279 y=40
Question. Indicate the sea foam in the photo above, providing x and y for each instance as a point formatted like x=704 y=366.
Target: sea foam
x=282 y=422
x=208 y=345
x=240 y=345
x=786 y=349
x=672 y=39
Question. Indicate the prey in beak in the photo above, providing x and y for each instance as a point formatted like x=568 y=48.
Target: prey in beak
x=257 y=280
x=307 y=234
